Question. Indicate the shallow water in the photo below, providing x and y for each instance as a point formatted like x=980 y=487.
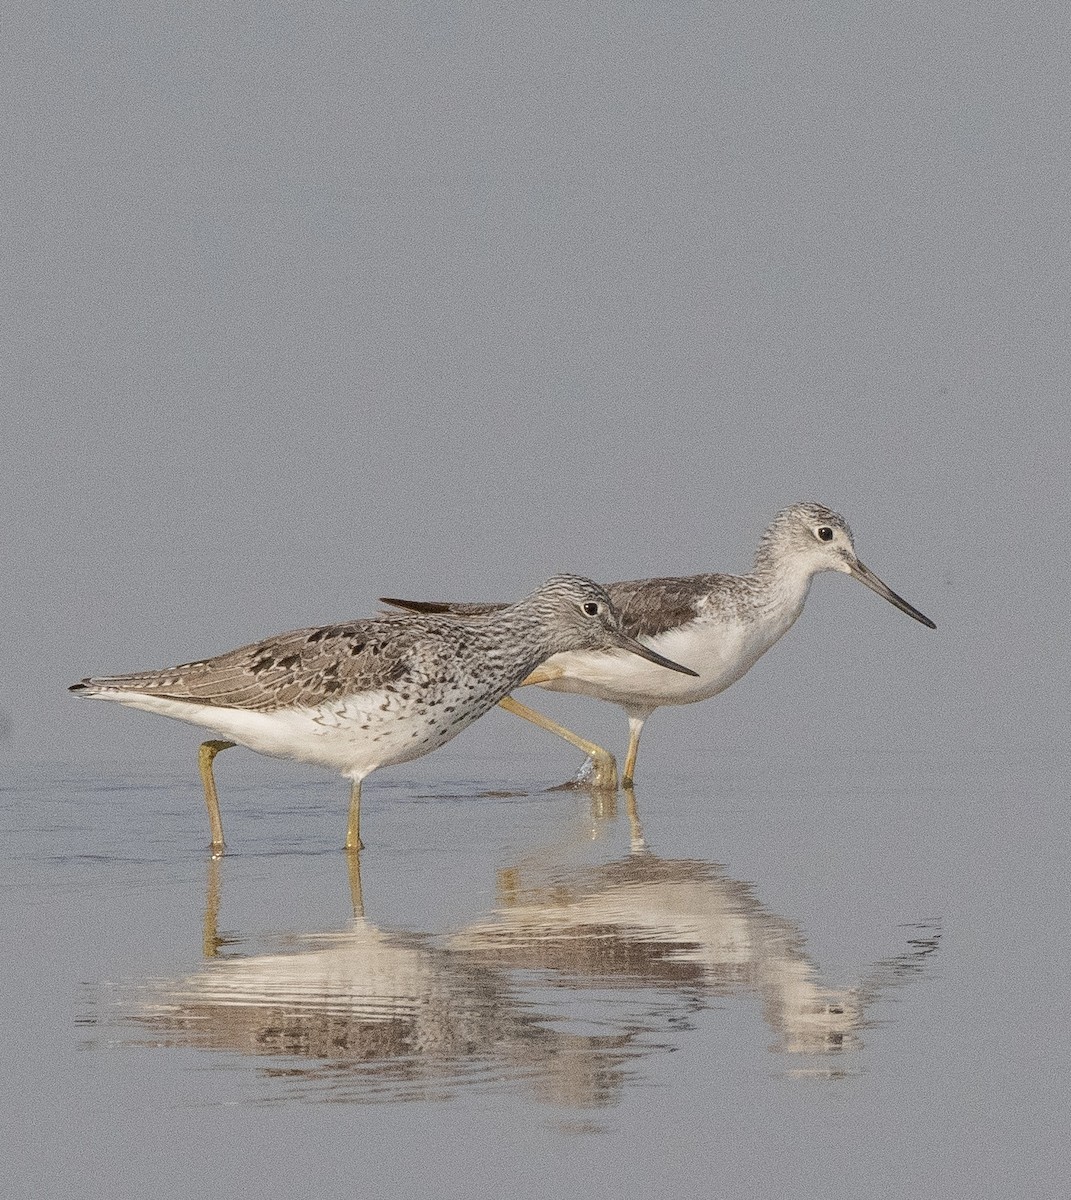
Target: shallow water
x=831 y=978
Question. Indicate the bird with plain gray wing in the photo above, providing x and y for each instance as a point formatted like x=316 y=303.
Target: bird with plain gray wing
x=366 y=694
x=719 y=625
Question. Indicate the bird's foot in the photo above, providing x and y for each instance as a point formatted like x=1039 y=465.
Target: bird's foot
x=598 y=774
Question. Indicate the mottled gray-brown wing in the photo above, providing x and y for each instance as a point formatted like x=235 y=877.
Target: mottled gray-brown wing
x=301 y=667
x=649 y=607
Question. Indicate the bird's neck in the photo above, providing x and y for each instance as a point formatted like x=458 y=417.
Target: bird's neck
x=533 y=639
x=781 y=585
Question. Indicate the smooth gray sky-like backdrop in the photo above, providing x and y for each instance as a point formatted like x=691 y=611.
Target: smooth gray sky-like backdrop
x=304 y=304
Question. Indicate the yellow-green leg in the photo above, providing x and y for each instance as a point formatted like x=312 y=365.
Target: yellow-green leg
x=604 y=774
x=635 y=728
x=207 y=753
x=353 y=829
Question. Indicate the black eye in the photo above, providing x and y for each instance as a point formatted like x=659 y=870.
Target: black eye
x=591 y=607
x=825 y=534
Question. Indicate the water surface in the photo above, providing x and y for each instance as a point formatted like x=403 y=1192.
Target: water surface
x=836 y=978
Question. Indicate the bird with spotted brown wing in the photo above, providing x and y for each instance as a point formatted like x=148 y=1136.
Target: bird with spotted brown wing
x=358 y=696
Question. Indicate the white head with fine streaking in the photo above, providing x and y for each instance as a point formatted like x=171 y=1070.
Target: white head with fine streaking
x=809 y=538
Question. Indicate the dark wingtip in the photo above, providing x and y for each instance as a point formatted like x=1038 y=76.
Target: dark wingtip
x=417 y=606
x=81 y=686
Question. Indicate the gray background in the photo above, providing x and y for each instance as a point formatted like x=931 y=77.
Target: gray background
x=307 y=305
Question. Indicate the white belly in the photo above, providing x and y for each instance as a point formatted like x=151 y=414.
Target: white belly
x=353 y=736
x=720 y=652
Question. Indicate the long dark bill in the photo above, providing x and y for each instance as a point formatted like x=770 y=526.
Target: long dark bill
x=627 y=643
x=867 y=576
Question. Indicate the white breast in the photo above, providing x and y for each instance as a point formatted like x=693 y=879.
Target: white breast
x=720 y=650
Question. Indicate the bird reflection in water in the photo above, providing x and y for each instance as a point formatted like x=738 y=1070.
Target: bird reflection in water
x=580 y=973
x=681 y=924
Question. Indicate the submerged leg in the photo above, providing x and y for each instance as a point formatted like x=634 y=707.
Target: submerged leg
x=210 y=939
x=205 y=755
x=605 y=772
x=353 y=868
x=639 y=843
x=635 y=728
x=353 y=830
x=508 y=886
